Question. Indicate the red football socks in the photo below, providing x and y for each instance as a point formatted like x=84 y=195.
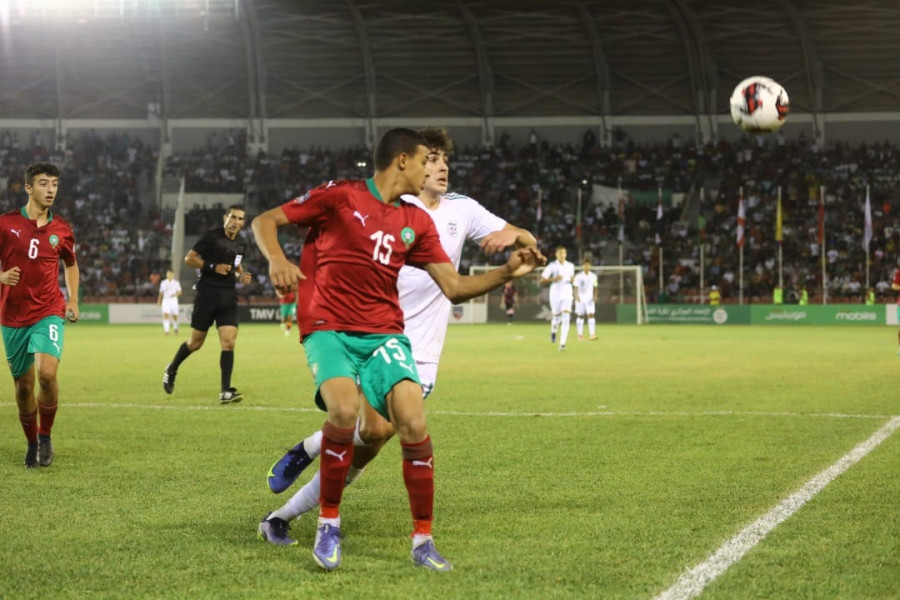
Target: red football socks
x=30 y=427
x=334 y=463
x=48 y=414
x=418 y=475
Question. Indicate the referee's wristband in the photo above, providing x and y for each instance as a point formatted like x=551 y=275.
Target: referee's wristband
x=209 y=266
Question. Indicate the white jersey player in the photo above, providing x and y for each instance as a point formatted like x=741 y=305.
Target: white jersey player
x=585 y=300
x=559 y=274
x=426 y=310
x=426 y=313
x=169 y=290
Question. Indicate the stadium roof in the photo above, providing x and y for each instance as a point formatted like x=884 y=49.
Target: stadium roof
x=305 y=59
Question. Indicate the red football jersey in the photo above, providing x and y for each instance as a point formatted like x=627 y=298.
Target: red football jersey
x=306 y=287
x=287 y=298
x=360 y=243
x=37 y=252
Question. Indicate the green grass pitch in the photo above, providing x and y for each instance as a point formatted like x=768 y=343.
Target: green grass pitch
x=604 y=471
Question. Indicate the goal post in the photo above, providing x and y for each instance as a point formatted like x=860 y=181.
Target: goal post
x=620 y=296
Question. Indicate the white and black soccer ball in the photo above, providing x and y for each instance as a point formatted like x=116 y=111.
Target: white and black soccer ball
x=759 y=105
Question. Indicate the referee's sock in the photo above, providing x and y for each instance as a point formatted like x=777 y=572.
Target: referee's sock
x=180 y=356
x=226 y=363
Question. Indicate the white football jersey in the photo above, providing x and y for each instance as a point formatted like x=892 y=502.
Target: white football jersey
x=426 y=310
x=563 y=287
x=585 y=284
x=169 y=289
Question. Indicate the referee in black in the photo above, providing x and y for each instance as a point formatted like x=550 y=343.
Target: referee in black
x=218 y=254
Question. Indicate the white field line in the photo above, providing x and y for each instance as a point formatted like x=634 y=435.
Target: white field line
x=463 y=413
x=692 y=583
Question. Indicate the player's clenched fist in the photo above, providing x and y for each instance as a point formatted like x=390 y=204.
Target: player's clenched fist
x=524 y=260
x=10 y=277
x=284 y=274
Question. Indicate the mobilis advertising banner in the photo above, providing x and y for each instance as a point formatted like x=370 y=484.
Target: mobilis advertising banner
x=830 y=314
x=766 y=314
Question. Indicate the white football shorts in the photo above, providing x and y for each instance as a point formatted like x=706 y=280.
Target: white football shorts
x=584 y=307
x=170 y=306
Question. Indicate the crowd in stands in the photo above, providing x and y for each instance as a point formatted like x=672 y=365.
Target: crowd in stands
x=537 y=186
x=124 y=245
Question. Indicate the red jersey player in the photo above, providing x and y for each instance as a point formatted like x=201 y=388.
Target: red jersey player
x=32 y=308
x=287 y=300
x=364 y=233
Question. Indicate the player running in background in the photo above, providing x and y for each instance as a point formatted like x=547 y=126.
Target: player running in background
x=169 y=291
x=360 y=358
x=559 y=275
x=218 y=254
x=32 y=308
x=426 y=313
x=585 y=300
x=287 y=300
x=509 y=301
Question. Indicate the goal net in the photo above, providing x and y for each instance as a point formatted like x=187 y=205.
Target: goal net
x=620 y=297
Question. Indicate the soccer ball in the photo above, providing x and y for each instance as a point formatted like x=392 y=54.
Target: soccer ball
x=759 y=105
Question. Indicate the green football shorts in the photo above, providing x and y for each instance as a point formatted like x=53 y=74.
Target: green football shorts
x=288 y=310
x=22 y=343
x=376 y=361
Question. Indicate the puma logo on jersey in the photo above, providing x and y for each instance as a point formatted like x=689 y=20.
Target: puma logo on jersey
x=329 y=184
x=406 y=366
x=362 y=219
x=424 y=463
x=337 y=455
x=16 y=231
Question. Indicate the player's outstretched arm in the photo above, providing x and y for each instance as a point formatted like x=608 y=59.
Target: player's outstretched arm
x=498 y=241
x=282 y=272
x=459 y=288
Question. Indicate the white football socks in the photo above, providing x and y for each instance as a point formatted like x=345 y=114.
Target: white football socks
x=564 y=334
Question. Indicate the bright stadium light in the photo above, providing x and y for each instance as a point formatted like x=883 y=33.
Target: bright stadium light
x=18 y=11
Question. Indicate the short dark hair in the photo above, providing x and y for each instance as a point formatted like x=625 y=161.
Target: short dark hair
x=40 y=168
x=235 y=207
x=395 y=142
x=437 y=138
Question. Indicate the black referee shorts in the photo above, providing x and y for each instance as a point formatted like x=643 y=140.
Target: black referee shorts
x=214 y=305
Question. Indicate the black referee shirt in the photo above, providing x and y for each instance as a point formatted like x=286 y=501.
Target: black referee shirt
x=215 y=247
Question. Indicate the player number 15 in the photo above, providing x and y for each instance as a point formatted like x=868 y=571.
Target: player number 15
x=382 y=251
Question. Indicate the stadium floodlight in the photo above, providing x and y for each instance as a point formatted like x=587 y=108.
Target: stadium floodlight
x=18 y=11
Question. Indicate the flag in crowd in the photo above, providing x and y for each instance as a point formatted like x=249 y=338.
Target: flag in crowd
x=867 y=230
x=820 y=238
x=741 y=220
x=778 y=231
x=659 y=219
